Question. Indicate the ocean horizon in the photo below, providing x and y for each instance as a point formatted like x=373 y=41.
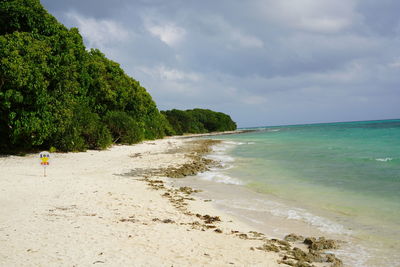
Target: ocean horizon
x=314 y=123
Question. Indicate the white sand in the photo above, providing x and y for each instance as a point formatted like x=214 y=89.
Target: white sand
x=73 y=216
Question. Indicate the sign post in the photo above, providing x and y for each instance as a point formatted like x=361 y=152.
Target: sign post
x=44 y=161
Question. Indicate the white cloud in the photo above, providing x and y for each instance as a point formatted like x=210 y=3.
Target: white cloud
x=99 y=33
x=169 y=33
x=322 y=16
x=232 y=35
x=323 y=24
x=246 y=40
x=170 y=74
x=254 y=100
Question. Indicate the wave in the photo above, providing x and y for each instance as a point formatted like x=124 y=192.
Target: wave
x=384 y=159
x=230 y=143
x=321 y=223
x=219 y=153
x=219 y=178
x=225 y=161
x=224 y=146
x=220 y=157
x=292 y=213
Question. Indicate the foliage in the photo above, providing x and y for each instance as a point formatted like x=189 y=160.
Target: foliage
x=25 y=113
x=27 y=16
x=124 y=128
x=84 y=130
x=56 y=94
x=198 y=121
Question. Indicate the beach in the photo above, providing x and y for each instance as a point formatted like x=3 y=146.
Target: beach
x=115 y=208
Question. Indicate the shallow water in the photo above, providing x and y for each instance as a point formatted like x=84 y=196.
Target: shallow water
x=341 y=179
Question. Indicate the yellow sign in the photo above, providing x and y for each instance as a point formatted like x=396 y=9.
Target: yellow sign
x=44 y=160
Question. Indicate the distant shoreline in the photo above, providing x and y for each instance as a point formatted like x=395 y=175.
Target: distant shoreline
x=214 y=133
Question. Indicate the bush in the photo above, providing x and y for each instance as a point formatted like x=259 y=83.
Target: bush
x=124 y=128
x=84 y=131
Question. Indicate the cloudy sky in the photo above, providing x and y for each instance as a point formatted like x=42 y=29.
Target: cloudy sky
x=264 y=62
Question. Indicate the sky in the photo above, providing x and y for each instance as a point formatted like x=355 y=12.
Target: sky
x=264 y=62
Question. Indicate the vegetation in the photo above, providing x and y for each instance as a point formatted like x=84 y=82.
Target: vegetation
x=198 y=121
x=56 y=94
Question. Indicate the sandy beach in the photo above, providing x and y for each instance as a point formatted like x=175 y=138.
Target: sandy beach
x=114 y=208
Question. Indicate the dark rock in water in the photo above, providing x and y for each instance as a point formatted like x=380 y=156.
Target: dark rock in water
x=316 y=256
x=198 y=164
x=298 y=257
x=195 y=151
x=283 y=243
x=293 y=238
x=335 y=261
x=321 y=243
x=301 y=255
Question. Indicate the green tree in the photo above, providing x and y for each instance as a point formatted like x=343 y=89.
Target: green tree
x=27 y=16
x=55 y=93
x=123 y=127
x=198 y=121
x=26 y=118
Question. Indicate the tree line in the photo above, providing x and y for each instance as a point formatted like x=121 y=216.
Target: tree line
x=56 y=93
x=198 y=121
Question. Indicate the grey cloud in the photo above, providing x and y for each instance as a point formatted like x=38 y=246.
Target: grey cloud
x=264 y=62
x=381 y=17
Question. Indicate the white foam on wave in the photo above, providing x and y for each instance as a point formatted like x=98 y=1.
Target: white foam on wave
x=233 y=143
x=384 y=159
x=220 y=157
x=220 y=148
x=218 y=177
x=219 y=153
x=227 y=145
x=291 y=213
x=323 y=224
x=355 y=254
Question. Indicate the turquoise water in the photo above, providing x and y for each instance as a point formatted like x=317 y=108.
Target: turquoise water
x=346 y=172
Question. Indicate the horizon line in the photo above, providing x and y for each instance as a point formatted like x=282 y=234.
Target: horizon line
x=299 y=124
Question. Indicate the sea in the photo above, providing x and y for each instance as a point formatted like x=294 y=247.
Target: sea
x=338 y=180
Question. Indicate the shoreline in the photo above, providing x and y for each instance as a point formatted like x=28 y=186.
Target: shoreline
x=214 y=134
x=93 y=209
